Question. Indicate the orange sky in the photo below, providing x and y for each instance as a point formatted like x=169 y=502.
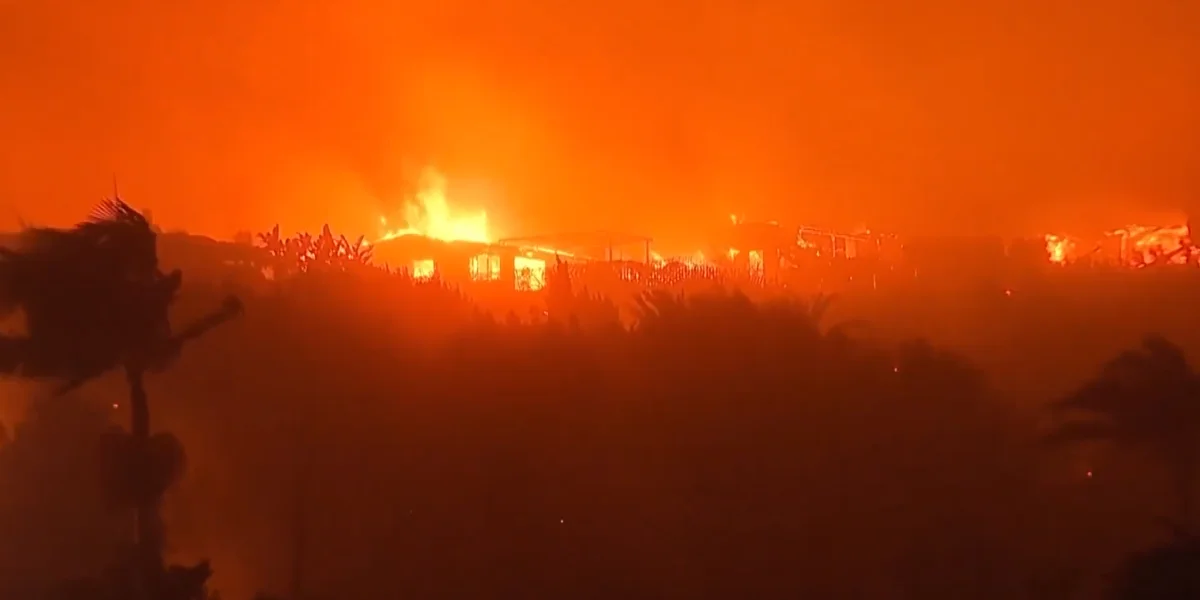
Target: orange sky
x=222 y=115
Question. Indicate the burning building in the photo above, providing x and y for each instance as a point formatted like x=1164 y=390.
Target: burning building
x=1135 y=246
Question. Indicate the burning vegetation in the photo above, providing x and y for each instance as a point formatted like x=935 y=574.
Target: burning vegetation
x=432 y=239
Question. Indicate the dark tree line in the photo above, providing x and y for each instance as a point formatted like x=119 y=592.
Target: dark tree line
x=720 y=448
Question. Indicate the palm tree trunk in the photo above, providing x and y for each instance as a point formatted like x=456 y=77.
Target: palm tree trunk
x=1186 y=490
x=300 y=526
x=148 y=532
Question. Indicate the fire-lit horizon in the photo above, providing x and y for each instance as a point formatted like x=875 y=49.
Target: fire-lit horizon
x=430 y=212
x=227 y=116
x=770 y=299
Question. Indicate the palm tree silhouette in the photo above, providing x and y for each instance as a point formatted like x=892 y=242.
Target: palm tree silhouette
x=1148 y=399
x=95 y=300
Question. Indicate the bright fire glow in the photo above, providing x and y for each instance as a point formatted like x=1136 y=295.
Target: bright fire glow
x=485 y=267
x=697 y=259
x=429 y=214
x=1149 y=245
x=1060 y=248
x=423 y=269
x=755 y=258
x=1140 y=245
x=530 y=272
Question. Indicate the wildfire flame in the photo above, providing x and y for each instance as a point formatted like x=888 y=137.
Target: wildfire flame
x=1151 y=244
x=429 y=214
x=1140 y=245
x=1059 y=248
x=695 y=260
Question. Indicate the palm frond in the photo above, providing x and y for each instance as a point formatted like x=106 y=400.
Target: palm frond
x=1164 y=350
x=115 y=210
x=1180 y=532
x=1156 y=359
x=1082 y=431
x=1099 y=396
x=820 y=305
x=848 y=328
